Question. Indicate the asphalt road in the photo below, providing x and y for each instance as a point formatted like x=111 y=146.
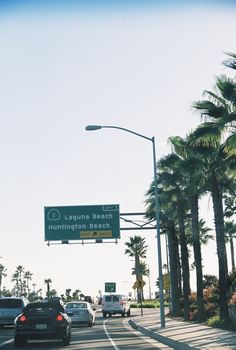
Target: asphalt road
x=111 y=333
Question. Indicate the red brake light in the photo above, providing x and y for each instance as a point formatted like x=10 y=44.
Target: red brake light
x=60 y=317
x=23 y=318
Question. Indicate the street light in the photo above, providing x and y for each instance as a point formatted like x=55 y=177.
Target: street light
x=97 y=127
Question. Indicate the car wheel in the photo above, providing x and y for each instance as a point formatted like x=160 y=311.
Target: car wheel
x=104 y=314
x=19 y=341
x=66 y=340
x=123 y=314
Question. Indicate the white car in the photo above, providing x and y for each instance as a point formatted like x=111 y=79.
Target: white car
x=81 y=312
x=10 y=308
x=113 y=304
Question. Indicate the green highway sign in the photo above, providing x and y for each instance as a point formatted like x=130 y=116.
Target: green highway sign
x=110 y=287
x=82 y=222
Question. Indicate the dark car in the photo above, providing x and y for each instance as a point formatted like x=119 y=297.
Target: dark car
x=42 y=320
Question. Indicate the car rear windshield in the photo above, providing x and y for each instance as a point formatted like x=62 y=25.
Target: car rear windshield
x=40 y=308
x=76 y=306
x=111 y=298
x=11 y=303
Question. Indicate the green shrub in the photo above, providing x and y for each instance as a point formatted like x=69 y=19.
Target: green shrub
x=215 y=321
x=146 y=304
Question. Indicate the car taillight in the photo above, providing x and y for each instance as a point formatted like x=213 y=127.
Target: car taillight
x=121 y=303
x=22 y=318
x=60 y=318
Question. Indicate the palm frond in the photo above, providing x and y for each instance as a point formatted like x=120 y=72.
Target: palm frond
x=227 y=87
x=206 y=135
x=209 y=109
x=230 y=145
x=216 y=99
x=231 y=61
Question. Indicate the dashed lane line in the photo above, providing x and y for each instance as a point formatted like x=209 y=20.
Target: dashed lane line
x=108 y=336
x=6 y=342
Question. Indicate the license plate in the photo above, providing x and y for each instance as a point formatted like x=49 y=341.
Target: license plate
x=41 y=326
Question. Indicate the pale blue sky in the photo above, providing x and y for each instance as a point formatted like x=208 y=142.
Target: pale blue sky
x=139 y=67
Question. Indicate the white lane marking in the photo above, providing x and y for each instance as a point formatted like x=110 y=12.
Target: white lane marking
x=108 y=336
x=6 y=342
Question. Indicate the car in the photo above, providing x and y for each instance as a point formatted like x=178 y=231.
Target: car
x=42 y=320
x=10 y=308
x=113 y=304
x=81 y=312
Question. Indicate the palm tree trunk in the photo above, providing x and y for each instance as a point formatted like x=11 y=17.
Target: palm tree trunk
x=197 y=257
x=184 y=261
x=232 y=253
x=175 y=292
x=137 y=269
x=221 y=249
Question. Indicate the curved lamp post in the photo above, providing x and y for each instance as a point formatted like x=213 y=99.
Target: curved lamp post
x=97 y=127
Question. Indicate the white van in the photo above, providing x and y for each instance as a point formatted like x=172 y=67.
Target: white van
x=10 y=308
x=113 y=304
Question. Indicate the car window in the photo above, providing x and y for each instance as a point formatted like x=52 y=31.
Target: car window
x=108 y=298
x=83 y=306
x=41 y=310
x=37 y=308
x=76 y=306
x=11 y=303
x=115 y=298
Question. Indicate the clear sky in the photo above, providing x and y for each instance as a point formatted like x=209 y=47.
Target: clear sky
x=66 y=64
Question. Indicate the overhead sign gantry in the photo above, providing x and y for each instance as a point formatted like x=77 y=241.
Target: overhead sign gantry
x=93 y=222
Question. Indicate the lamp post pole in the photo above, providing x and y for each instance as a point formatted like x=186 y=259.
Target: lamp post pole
x=158 y=236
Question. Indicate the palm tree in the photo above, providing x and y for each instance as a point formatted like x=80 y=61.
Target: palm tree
x=219 y=155
x=20 y=272
x=2 y=274
x=192 y=170
x=15 y=278
x=172 y=180
x=168 y=225
x=137 y=248
x=48 y=281
x=143 y=271
x=28 y=277
x=75 y=294
x=68 y=296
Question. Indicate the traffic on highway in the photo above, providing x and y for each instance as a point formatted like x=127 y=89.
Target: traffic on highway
x=107 y=333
